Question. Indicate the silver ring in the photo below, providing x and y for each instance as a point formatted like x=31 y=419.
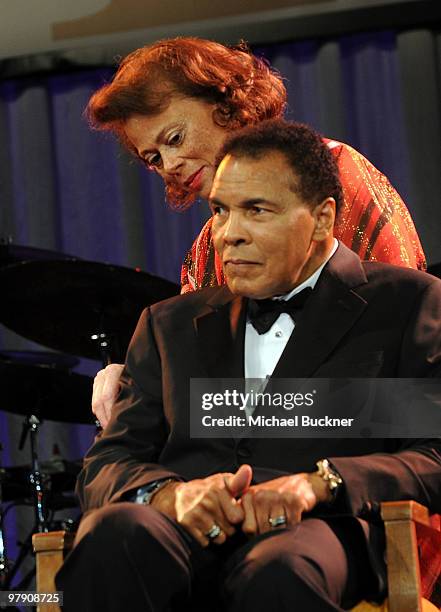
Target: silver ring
x=277 y=521
x=214 y=532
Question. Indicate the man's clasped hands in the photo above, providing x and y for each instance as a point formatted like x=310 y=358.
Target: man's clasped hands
x=212 y=508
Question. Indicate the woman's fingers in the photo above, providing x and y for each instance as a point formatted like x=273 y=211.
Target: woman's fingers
x=105 y=392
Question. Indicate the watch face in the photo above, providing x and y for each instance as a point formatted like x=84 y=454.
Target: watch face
x=146 y=498
x=152 y=489
x=148 y=494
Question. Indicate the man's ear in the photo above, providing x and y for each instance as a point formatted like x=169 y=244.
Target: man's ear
x=324 y=217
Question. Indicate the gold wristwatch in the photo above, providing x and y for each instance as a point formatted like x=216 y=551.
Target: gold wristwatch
x=330 y=475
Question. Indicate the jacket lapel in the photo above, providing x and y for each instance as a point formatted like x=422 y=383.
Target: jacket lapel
x=220 y=332
x=329 y=314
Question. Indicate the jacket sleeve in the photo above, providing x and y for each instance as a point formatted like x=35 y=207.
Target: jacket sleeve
x=124 y=456
x=414 y=472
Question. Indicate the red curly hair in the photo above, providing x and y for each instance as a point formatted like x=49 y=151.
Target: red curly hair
x=245 y=89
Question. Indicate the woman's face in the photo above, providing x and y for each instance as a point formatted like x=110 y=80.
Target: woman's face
x=180 y=144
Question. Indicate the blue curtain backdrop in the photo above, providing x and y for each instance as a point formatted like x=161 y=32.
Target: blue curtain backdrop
x=66 y=188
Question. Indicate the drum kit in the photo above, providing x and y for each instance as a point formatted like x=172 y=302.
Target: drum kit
x=82 y=308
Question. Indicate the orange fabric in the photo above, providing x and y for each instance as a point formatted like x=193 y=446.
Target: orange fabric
x=429 y=549
x=374 y=222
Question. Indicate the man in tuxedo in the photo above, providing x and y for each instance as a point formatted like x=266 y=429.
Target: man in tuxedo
x=282 y=523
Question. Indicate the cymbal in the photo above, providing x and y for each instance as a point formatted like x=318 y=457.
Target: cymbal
x=15 y=484
x=47 y=392
x=60 y=304
x=40 y=358
x=14 y=253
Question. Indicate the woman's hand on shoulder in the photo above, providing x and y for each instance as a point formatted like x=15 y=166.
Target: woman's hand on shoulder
x=105 y=392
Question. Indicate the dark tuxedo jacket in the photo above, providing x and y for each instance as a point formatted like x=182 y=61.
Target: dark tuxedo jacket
x=362 y=320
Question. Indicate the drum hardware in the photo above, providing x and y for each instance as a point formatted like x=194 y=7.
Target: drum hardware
x=25 y=549
x=9 y=570
x=19 y=484
x=59 y=485
x=4 y=565
x=31 y=426
x=56 y=361
x=78 y=307
x=48 y=390
x=64 y=304
x=11 y=253
x=106 y=346
x=40 y=384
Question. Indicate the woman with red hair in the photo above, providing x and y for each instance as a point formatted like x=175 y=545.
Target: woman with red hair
x=172 y=104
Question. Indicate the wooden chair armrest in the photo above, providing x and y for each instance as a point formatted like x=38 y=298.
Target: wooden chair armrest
x=403 y=569
x=405 y=510
x=50 y=549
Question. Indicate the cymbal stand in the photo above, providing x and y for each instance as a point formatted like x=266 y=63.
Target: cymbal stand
x=108 y=343
x=25 y=549
x=3 y=558
x=31 y=425
x=104 y=342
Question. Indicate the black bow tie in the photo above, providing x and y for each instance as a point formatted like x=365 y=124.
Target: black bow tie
x=264 y=313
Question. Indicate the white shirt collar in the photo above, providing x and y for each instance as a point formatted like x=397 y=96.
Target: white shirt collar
x=311 y=281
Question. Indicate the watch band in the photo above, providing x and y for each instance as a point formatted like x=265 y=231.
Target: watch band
x=329 y=474
x=145 y=494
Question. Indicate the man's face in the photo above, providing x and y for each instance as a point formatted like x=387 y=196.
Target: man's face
x=264 y=233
